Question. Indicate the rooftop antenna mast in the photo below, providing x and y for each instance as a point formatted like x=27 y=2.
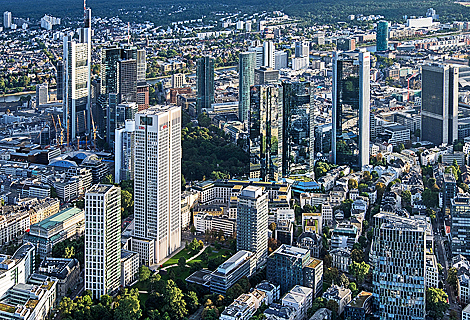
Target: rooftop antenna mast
x=128 y=32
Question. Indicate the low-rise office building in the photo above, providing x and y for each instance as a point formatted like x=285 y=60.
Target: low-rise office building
x=129 y=267
x=232 y=270
x=66 y=224
x=66 y=271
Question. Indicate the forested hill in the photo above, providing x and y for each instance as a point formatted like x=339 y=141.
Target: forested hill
x=163 y=11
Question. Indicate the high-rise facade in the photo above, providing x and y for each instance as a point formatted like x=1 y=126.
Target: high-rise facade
x=439 y=104
x=102 y=239
x=157 y=182
x=42 y=94
x=60 y=80
x=266 y=75
x=280 y=60
x=127 y=80
x=124 y=152
x=302 y=49
x=382 y=35
x=247 y=64
x=459 y=231
x=252 y=223
x=400 y=269
x=141 y=59
x=77 y=81
x=7 y=19
x=268 y=54
x=351 y=108
x=265 y=132
x=204 y=83
x=297 y=99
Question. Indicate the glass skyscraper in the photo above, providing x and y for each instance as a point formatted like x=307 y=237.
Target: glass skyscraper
x=400 y=267
x=265 y=132
x=247 y=64
x=382 y=35
x=297 y=98
x=440 y=100
x=204 y=83
x=351 y=108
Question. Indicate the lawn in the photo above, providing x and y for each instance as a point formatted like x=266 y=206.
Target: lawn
x=183 y=253
x=178 y=273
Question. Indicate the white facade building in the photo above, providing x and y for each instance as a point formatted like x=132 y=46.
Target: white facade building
x=157 y=182
x=102 y=239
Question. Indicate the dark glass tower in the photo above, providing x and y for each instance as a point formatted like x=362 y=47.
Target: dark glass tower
x=205 y=83
x=265 y=132
x=351 y=108
x=382 y=35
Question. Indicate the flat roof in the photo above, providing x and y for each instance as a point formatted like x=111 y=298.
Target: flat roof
x=57 y=218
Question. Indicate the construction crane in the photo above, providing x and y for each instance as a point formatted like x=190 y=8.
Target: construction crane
x=94 y=131
x=61 y=132
x=55 y=128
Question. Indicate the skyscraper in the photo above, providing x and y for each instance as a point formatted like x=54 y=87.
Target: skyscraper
x=265 y=132
x=280 y=60
x=204 y=83
x=440 y=99
x=265 y=75
x=382 y=35
x=252 y=223
x=460 y=233
x=297 y=98
x=141 y=57
x=302 y=49
x=102 y=239
x=124 y=152
x=60 y=80
x=77 y=81
x=351 y=108
x=399 y=272
x=41 y=94
x=127 y=75
x=268 y=54
x=7 y=19
x=247 y=63
x=76 y=89
x=157 y=183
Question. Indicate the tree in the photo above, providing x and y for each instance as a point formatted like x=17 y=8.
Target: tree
x=128 y=307
x=191 y=301
x=366 y=176
x=193 y=245
x=436 y=302
x=353 y=287
x=204 y=120
x=352 y=184
x=272 y=226
x=108 y=179
x=343 y=280
x=357 y=255
x=126 y=202
x=174 y=302
x=430 y=198
x=69 y=252
x=406 y=196
x=359 y=270
x=144 y=273
x=182 y=262
x=380 y=187
x=452 y=276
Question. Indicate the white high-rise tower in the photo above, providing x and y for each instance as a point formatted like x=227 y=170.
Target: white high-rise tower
x=157 y=183
x=102 y=239
x=77 y=81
